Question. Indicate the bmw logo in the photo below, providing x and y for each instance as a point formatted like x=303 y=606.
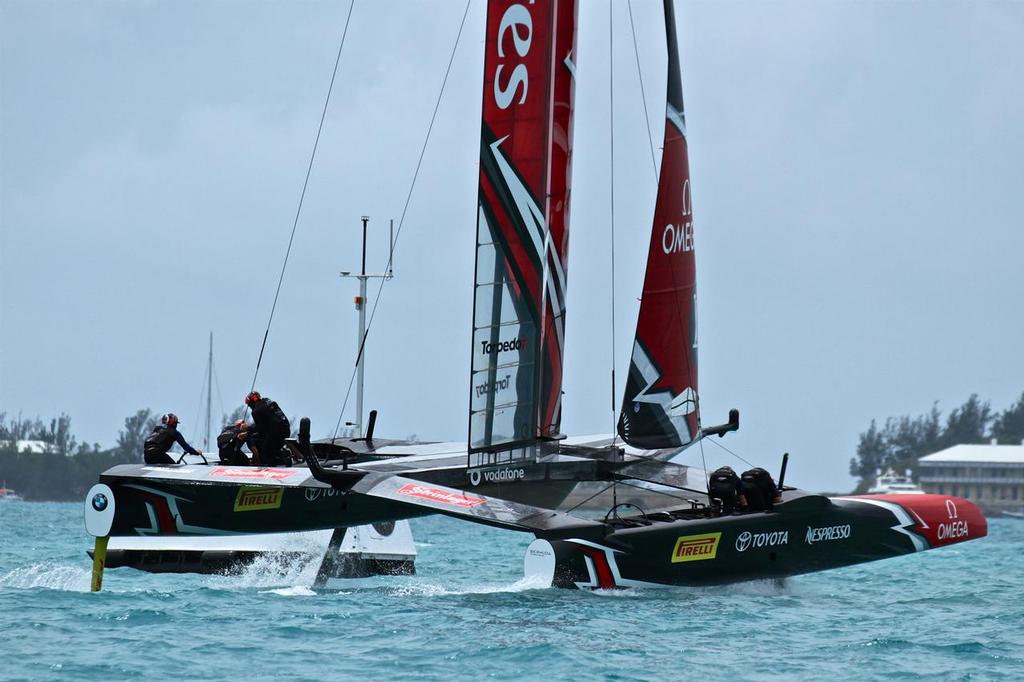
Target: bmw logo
x=99 y=502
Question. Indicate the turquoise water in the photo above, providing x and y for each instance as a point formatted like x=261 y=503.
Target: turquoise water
x=952 y=613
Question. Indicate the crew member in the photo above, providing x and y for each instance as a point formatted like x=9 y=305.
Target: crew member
x=269 y=429
x=724 y=485
x=230 y=442
x=759 y=490
x=161 y=438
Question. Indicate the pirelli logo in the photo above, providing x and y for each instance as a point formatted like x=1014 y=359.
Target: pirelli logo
x=256 y=497
x=696 y=547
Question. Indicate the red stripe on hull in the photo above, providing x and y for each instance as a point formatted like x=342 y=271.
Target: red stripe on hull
x=941 y=519
x=605 y=579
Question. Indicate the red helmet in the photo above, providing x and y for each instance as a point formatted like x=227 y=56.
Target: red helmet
x=252 y=397
x=170 y=419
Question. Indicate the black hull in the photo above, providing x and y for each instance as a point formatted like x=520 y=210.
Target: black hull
x=806 y=534
x=200 y=500
x=692 y=546
x=163 y=507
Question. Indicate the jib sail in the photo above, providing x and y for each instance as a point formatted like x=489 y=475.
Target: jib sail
x=660 y=406
x=522 y=224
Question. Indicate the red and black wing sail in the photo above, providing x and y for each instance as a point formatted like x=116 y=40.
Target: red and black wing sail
x=660 y=406
x=522 y=223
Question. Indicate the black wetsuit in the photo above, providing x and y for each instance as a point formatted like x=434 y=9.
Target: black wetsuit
x=270 y=428
x=160 y=440
x=229 y=446
x=759 y=488
x=724 y=485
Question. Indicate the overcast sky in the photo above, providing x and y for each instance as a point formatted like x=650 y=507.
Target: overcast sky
x=856 y=186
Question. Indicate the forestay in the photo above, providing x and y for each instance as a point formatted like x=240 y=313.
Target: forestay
x=522 y=224
x=660 y=406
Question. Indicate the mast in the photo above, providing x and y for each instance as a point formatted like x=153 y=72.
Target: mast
x=360 y=300
x=660 y=406
x=522 y=225
x=209 y=394
x=361 y=352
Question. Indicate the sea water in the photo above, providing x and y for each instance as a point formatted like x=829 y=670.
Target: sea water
x=952 y=613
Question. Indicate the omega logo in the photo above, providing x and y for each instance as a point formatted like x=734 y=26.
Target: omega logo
x=679 y=237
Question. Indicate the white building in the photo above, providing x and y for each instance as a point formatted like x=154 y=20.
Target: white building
x=992 y=476
x=35 y=447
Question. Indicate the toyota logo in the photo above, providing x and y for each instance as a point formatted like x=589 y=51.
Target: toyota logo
x=99 y=502
x=743 y=541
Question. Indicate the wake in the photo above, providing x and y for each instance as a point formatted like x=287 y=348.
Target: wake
x=48 y=576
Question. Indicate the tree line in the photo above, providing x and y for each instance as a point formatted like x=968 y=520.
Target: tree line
x=69 y=468
x=901 y=441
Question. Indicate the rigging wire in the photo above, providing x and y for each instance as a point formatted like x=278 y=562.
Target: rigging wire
x=662 y=492
x=302 y=196
x=704 y=466
x=750 y=464
x=401 y=220
x=611 y=193
x=643 y=96
x=602 y=490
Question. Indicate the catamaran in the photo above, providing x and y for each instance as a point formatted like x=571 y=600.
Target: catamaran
x=516 y=467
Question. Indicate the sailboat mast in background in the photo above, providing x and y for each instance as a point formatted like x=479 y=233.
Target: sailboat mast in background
x=360 y=301
x=209 y=398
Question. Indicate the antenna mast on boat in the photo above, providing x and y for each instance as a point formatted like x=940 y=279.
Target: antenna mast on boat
x=360 y=302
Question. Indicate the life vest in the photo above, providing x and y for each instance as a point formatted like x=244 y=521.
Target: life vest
x=759 y=488
x=228 y=444
x=160 y=440
x=227 y=436
x=268 y=417
x=723 y=484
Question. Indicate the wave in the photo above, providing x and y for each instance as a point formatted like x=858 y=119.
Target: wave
x=270 y=571
x=296 y=591
x=430 y=589
x=48 y=576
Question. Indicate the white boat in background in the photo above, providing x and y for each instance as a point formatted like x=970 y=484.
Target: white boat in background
x=8 y=495
x=891 y=483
